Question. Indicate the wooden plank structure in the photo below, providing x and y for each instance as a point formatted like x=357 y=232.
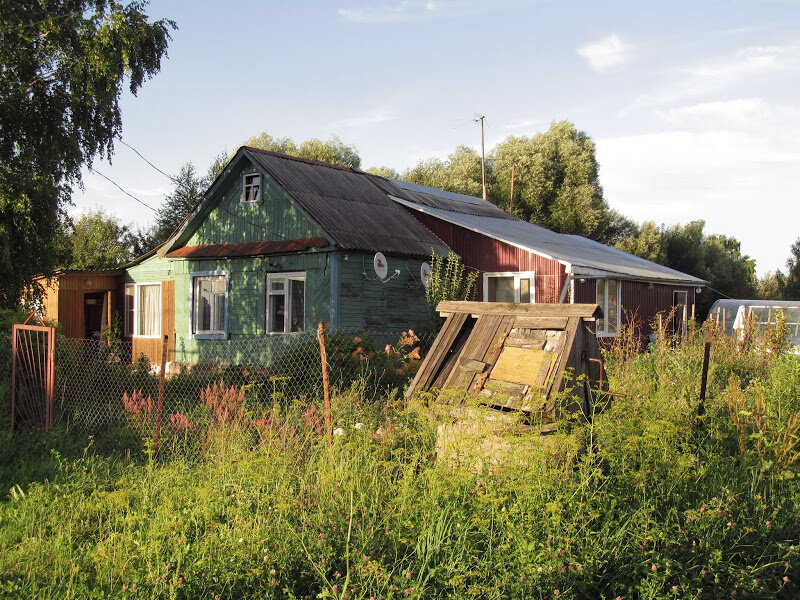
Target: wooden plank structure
x=519 y=357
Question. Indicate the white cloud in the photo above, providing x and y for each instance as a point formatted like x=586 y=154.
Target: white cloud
x=376 y=116
x=418 y=10
x=524 y=124
x=742 y=112
x=407 y=10
x=748 y=61
x=606 y=53
x=735 y=181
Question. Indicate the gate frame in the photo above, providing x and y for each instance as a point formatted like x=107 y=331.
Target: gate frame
x=49 y=371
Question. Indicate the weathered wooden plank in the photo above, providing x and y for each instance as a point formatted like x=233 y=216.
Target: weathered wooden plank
x=520 y=342
x=436 y=355
x=477 y=346
x=494 y=354
x=567 y=342
x=510 y=308
x=541 y=322
x=472 y=365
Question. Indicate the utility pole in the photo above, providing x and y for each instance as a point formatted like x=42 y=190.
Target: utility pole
x=511 y=203
x=483 y=154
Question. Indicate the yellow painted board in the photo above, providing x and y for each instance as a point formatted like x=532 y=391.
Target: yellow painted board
x=521 y=365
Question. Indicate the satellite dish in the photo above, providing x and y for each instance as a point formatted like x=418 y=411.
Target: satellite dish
x=380 y=265
x=425 y=273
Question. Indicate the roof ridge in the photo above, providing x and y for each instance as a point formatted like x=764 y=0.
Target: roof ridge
x=308 y=161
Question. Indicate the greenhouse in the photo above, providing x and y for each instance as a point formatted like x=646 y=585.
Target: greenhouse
x=731 y=315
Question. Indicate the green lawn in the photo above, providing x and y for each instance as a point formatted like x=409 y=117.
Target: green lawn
x=644 y=503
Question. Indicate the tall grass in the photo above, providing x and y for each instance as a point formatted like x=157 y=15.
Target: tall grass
x=658 y=505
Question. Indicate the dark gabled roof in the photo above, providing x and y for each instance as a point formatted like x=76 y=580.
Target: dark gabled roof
x=348 y=206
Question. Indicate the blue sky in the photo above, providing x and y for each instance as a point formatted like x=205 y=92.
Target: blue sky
x=693 y=105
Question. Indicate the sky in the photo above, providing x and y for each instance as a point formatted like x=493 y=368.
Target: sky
x=693 y=106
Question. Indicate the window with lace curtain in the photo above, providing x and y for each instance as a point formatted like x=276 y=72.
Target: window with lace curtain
x=143 y=309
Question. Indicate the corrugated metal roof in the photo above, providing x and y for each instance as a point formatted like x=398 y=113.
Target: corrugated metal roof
x=426 y=196
x=582 y=253
x=349 y=206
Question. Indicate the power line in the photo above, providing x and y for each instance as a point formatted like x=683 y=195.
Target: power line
x=176 y=181
x=167 y=175
x=127 y=193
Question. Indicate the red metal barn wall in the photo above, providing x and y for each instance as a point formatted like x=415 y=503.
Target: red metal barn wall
x=639 y=299
x=488 y=255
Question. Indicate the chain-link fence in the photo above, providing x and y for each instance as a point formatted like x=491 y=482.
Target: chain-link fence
x=93 y=377
x=5 y=381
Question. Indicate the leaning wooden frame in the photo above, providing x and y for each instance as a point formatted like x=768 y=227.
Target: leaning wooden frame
x=540 y=359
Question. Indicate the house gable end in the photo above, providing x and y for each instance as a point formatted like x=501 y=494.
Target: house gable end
x=225 y=216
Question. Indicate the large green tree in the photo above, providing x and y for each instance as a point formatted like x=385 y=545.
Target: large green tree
x=98 y=241
x=189 y=190
x=556 y=181
x=460 y=173
x=63 y=64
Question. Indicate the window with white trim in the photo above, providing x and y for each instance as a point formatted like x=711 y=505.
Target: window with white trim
x=210 y=304
x=608 y=298
x=286 y=300
x=251 y=188
x=143 y=310
x=509 y=287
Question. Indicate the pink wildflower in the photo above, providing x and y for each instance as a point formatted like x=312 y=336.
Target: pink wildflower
x=654 y=567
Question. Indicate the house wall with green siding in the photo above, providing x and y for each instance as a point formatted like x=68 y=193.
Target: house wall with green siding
x=231 y=221
x=246 y=302
x=366 y=302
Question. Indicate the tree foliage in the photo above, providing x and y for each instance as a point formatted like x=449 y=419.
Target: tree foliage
x=791 y=289
x=97 y=241
x=716 y=258
x=189 y=190
x=460 y=173
x=332 y=151
x=63 y=64
x=556 y=181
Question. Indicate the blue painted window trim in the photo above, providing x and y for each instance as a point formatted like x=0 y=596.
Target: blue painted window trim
x=209 y=336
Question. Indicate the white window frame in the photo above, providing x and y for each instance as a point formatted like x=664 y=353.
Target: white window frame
x=287 y=320
x=604 y=307
x=517 y=275
x=216 y=334
x=246 y=194
x=132 y=312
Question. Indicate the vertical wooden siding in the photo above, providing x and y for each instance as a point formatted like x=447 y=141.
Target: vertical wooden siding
x=230 y=221
x=64 y=298
x=639 y=299
x=488 y=255
x=365 y=302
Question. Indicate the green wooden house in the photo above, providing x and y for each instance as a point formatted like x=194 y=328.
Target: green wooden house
x=277 y=245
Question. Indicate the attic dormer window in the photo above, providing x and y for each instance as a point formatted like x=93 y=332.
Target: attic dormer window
x=251 y=188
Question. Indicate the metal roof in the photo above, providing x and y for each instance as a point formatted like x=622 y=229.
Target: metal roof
x=586 y=256
x=349 y=206
x=426 y=196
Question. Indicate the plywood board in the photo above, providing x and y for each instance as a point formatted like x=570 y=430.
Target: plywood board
x=523 y=365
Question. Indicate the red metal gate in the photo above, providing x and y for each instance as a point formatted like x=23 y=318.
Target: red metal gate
x=33 y=376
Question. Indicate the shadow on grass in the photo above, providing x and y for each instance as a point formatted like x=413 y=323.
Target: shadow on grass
x=31 y=456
